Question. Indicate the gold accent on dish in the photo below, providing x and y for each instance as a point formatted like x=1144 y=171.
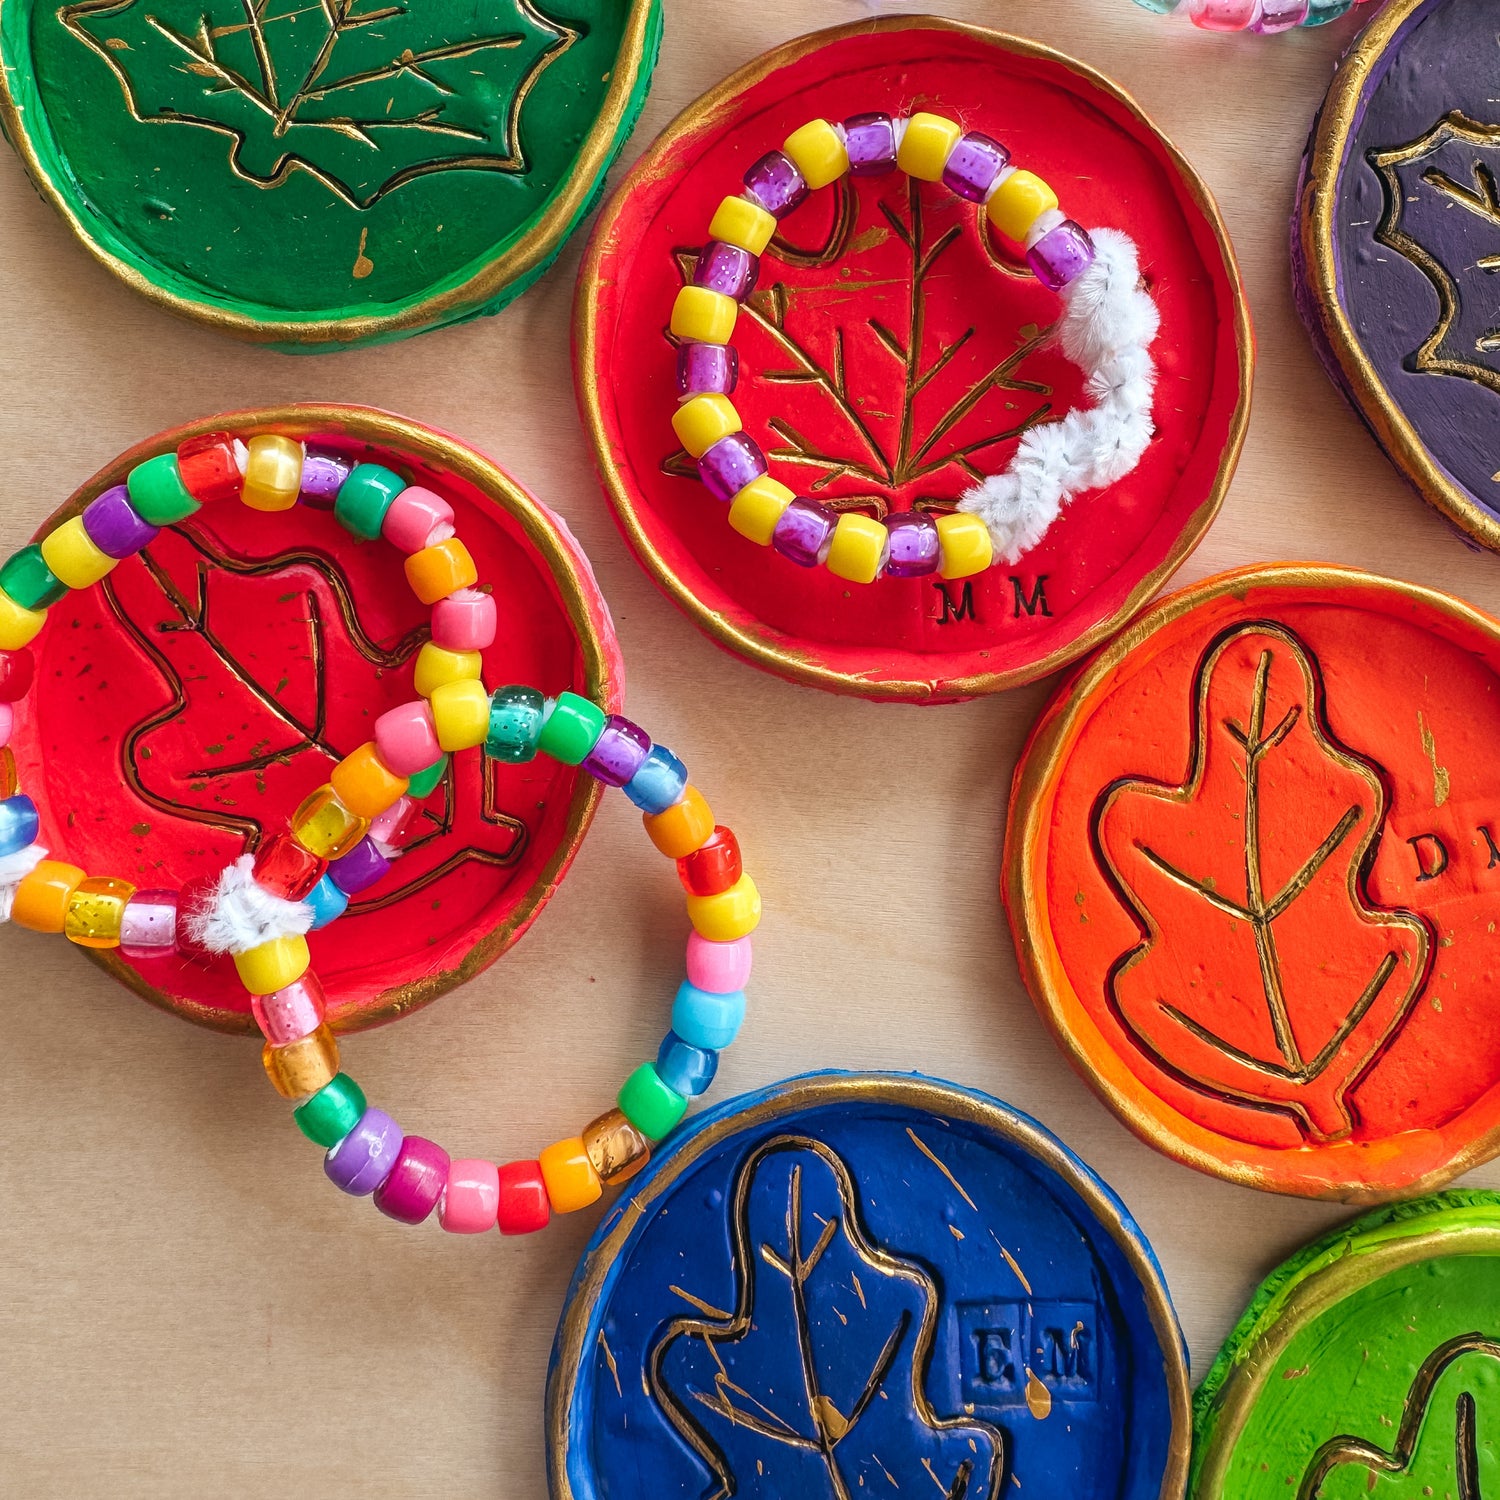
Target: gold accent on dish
x=1375 y=1255
x=569 y=575
x=570 y=1355
x=529 y=252
x=762 y=645
x=1392 y=428
x=1023 y=874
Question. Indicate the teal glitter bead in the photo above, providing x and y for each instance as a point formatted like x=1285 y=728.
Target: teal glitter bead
x=516 y=718
x=1321 y=12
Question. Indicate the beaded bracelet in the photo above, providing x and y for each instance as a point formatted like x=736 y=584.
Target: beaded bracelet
x=344 y=836
x=1266 y=17
x=1108 y=325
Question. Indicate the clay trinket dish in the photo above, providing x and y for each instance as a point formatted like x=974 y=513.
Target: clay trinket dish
x=852 y=1282
x=1252 y=869
x=891 y=356
x=185 y=706
x=319 y=178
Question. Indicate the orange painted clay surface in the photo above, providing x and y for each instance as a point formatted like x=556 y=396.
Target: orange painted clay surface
x=1253 y=870
x=890 y=357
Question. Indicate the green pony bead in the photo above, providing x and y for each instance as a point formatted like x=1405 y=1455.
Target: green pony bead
x=365 y=497
x=572 y=729
x=332 y=1112
x=650 y=1105
x=28 y=580
x=516 y=718
x=157 y=492
x=423 y=783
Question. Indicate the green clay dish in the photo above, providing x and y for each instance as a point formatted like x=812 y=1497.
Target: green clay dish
x=1366 y=1368
x=324 y=174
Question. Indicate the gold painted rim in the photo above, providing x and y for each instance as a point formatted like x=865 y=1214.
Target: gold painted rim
x=1367 y=391
x=570 y=1356
x=1023 y=876
x=1363 y=1261
x=533 y=249
x=576 y=590
x=761 y=645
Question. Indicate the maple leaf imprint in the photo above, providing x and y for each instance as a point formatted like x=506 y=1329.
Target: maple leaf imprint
x=1429 y=1456
x=364 y=95
x=813 y=1385
x=1264 y=975
x=915 y=454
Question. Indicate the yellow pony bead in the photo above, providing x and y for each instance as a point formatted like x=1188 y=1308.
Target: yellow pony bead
x=572 y=1182
x=738 y=221
x=858 y=548
x=297 y=1069
x=683 y=827
x=965 y=545
x=73 y=556
x=927 y=145
x=95 y=911
x=435 y=666
x=461 y=714
x=757 y=508
x=1018 y=203
x=818 y=152
x=273 y=473
x=273 y=965
x=325 y=827
x=731 y=914
x=18 y=625
x=703 y=421
x=43 y=897
x=440 y=570
x=704 y=316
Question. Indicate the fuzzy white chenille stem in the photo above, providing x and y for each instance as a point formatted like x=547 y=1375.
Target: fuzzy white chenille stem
x=14 y=868
x=243 y=915
x=1108 y=325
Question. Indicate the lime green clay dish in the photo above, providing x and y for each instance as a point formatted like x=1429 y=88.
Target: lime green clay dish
x=1366 y=1368
x=323 y=174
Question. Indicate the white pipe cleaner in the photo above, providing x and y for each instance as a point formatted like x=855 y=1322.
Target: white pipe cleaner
x=1108 y=325
x=243 y=915
x=14 y=868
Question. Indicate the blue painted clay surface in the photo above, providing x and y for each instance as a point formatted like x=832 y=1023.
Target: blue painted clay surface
x=837 y=1297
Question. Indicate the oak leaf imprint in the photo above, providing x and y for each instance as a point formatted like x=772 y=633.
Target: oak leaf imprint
x=813 y=1386
x=1264 y=975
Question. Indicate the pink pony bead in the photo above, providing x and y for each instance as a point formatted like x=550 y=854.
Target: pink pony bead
x=406 y=738
x=292 y=1013
x=1223 y=15
x=471 y=1201
x=392 y=826
x=7 y=723
x=417 y=519
x=464 y=621
x=718 y=968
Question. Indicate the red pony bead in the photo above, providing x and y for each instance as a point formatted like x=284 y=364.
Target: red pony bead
x=524 y=1205
x=714 y=867
x=17 y=668
x=286 y=869
x=209 y=468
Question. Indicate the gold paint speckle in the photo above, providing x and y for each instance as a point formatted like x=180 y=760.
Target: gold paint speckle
x=1038 y=1397
x=609 y=1359
x=931 y=1156
x=1441 y=784
x=363 y=265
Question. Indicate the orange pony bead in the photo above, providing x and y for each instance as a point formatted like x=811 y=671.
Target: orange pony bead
x=42 y=897
x=436 y=572
x=681 y=830
x=365 y=784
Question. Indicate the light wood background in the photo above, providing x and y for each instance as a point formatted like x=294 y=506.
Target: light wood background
x=186 y=1306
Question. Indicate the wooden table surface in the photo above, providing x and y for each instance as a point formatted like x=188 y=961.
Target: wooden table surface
x=186 y=1307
